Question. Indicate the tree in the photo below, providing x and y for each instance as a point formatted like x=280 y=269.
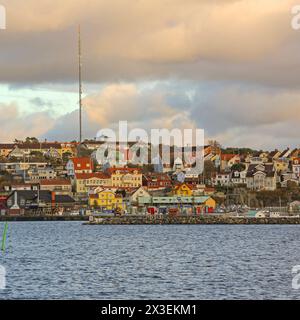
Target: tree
x=209 y=170
x=31 y=140
x=238 y=167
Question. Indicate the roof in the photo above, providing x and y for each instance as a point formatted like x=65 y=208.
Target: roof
x=44 y=196
x=122 y=170
x=157 y=176
x=227 y=157
x=86 y=176
x=82 y=163
x=52 y=182
x=7 y=145
x=36 y=146
x=268 y=170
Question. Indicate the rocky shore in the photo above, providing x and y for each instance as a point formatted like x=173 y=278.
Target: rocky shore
x=145 y=220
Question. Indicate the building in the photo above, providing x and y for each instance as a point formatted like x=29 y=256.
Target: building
x=296 y=167
x=38 y=174
x=228 y=160
x=85 y=182
x=222 y=179
x=18 y=201
x=281 y=165
x=178 y=164
x=20 y=186
x=201 y=204
x=156 y=181
x=125 y=177
x=79 y=165
x=261 y=177
x=20 y=167
x=107 y=200
x=183 y=189
x=59 y=186
x=238 y=177
x=137 y=194
x=5 y=149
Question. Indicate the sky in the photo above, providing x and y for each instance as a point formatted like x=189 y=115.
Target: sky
x=230 y=67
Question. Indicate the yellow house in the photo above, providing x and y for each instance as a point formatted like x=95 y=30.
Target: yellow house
x=106 y=200
x=84 y=182
x=125 y=177
x=281 y=165
x=183 y=190
x=210 y=203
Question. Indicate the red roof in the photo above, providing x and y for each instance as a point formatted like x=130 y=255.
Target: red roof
x=55 y=182
x=85 y=176
x=227 y=157
x=82 y=163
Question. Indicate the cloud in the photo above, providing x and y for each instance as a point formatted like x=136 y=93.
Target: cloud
x=147 y=109
x=15 y=125
x=133 y=40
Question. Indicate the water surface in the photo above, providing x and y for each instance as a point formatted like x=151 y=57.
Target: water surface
x=61 y=260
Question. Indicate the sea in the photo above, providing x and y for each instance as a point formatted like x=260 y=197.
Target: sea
x=69 y=260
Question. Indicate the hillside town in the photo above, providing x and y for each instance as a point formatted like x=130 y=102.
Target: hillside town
x=65 y=178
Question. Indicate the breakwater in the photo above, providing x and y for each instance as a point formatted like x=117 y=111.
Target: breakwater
x=144 y=220
x=43 y=218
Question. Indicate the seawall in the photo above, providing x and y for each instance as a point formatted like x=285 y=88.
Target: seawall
x=145 y=220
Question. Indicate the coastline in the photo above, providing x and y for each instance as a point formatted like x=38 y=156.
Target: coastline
x=42 y=218
x=157 y=220
x=191 y=220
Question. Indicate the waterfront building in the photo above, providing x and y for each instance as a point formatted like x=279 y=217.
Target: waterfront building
x=107 y=200
x=20 y=200
x=136 y=194
x=201 y=204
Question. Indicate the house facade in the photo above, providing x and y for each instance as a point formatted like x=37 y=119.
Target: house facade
x=261 y=177
x=106 y=200
x=125 y=177
x=78 y=166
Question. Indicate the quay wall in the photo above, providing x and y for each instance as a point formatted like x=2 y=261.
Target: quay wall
x=144 y=220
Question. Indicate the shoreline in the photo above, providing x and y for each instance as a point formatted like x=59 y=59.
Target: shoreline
x=157 y=220
x=42 y=218
x=192 y=220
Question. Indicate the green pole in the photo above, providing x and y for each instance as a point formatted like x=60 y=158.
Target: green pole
x=4 y=236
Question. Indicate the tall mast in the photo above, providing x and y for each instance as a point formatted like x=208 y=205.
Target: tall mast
x=80 y=85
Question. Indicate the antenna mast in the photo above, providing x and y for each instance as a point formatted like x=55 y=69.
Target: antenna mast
x=80 y=85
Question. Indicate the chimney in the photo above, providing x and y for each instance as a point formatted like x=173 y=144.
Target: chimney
x=52 y=198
